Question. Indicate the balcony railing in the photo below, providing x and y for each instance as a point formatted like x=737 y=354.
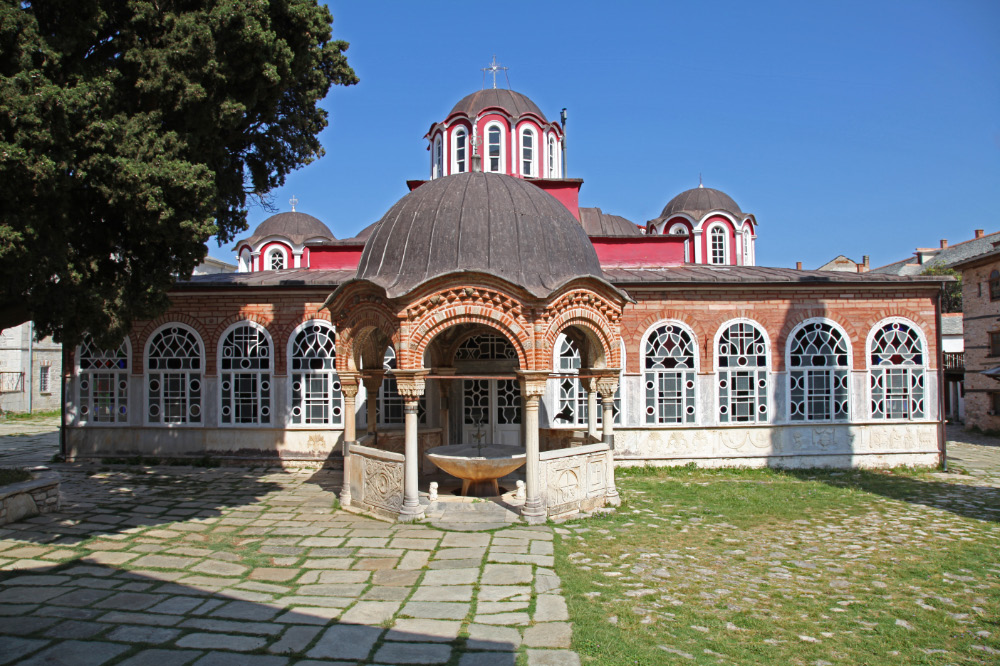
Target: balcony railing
x=11 y=382
x=954 y=360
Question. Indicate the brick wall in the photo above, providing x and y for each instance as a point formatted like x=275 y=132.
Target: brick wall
x=982 y=316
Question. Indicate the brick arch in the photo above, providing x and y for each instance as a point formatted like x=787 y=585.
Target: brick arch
x=634 y=341
x=140 y=340
x=353 y=334
x=590 y=321
x=800 y=316
x=423 y=335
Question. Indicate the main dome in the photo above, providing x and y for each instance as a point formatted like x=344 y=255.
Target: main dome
x=483 y=222
x=512 y=102
x=698 y=201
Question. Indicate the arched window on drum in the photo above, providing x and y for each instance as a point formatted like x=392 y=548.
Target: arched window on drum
x=316 y=398
x=669 y=372
x=102 y=377
x=818 y=373
x=896 y=359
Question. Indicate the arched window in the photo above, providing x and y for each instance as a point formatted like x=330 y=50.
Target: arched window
x=245 y=375
x=486 y=347
x=896 y=369
x=246 y=261
x=389 y=405
x=743 y=374
x=528 y=152
x=103 y=380
x=315 y=388
x=459 y=150
x=747 y=261
x=818 y=367
x=573 y=408
x=173 y=376
x=679 y=229
x=437 y=167
x=718 y=250
x=494 y=149
x=670 y=371
x=553 y=157
x=275 y=260
x=995 y=286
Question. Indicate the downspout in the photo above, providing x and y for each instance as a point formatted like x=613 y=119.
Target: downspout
x=562 y=120
x=31 y=363
x=942 y=436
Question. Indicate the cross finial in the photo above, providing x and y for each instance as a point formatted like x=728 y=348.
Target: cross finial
x=699 y=180
x=493 y=69
x=293 y=201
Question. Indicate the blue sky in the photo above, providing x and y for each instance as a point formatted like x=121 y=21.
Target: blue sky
x=845 y=127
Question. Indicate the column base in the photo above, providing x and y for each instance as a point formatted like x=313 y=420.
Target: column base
x=345 y=496
x=410 y=514
x=533 y=512
x=613 y=498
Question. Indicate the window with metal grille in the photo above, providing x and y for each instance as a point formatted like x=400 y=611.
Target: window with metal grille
x=896 y=371
x=819 y=365
x=743 y=376
x=316 y=394
x=669 y=375
x=245 y=376
x=173 y=376
x=573 y=405
x=103 y=382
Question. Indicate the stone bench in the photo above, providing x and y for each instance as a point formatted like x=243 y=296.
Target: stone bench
x=29 y=498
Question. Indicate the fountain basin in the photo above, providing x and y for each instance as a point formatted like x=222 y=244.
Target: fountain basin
x=478 y=467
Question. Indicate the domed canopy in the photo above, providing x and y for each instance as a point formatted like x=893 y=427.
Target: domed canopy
x=698 y=201
x=296 y=227
x=512 y=102
x=483 y=222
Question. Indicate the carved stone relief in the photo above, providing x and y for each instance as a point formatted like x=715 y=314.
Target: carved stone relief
x=383 y=485
x=564 y=485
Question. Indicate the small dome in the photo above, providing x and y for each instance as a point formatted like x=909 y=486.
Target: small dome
x=296 y=227
x=698 y=201
x=598 y=223
x=483 y=222
x=512 y=102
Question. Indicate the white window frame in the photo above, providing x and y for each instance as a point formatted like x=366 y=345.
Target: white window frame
x=698 y=410
x=554 y=164
x=768 y=398
x=580 y=397
x=503 y=147
x=528 y=130
x=437 y=157
x=725 y=244
x=457 y=165
x=747 y=257
x=336 y=402
x=246 y=261
x=687 y=241
x=199 y=377
x=264 y=380
x=271 y=251
x=44 y=384
x=789 y=369
x=922 y=368
x=120 y=374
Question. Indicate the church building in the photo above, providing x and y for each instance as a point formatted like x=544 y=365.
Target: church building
x=487 y=305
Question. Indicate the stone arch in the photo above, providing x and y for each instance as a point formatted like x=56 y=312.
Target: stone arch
x=425 y=334
x=597 y=348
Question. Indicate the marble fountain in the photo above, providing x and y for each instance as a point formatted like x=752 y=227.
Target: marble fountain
x=477 y=465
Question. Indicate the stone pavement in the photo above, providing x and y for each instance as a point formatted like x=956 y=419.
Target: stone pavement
x=180 y=565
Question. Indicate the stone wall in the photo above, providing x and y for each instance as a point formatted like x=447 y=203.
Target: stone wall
x=29 y=498
x=576 y=480
x=376 y=480
x=981 y=317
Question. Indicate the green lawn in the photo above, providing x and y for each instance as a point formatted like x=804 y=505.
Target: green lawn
x=766 y=567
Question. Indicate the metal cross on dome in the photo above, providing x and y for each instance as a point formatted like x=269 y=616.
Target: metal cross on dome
x=294 y=201
x=493 y=69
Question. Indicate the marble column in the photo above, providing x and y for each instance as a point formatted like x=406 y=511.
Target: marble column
x=349 y=389
x=373 y=381
x=606 y=386
x=532 y=389
x=411 y=387
x=591 y=384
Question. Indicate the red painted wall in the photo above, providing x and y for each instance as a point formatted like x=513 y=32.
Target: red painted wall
x=639 y=251
x=336 y=256
x=565 y=190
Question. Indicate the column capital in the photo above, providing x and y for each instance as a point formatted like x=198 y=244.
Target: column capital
x=410 y=383
x=349 y=383
x=607 y=383
x=533 y=382
x=372 y=380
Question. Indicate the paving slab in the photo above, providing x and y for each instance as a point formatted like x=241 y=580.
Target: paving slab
x=345 y=642
x=487 y=659
x=436 y=610
x=76 y=653
x=488 y=637
x=15 y=648
x=370 y=612
x=413 y=653
x=132 y=635
x=162 y=658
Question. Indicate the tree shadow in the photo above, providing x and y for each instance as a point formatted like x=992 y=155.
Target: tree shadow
x=978 y=502
x=133 y=617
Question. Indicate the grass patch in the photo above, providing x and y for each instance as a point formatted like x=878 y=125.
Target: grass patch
x=17 y=475
x=7 y=417
x=799 y=567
